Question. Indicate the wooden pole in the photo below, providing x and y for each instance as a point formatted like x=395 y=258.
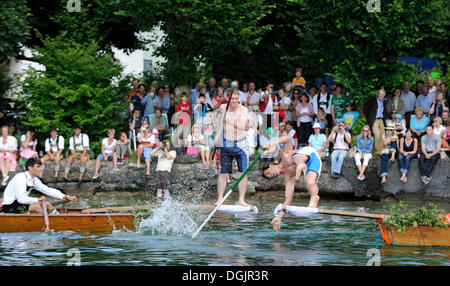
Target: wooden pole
x=44 y=208
x=353 y=214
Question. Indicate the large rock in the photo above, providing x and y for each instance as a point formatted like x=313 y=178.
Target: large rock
x=188 y=175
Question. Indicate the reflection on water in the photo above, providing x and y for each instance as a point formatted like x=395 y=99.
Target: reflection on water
x=165 y=239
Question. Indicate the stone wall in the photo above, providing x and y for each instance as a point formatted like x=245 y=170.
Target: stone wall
x=188 y=175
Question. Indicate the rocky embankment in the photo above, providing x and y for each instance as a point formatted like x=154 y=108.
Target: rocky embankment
x=188 y=175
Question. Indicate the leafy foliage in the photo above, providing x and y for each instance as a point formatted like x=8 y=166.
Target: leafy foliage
x=400 y=218
x=80 y=85
x=14 y=27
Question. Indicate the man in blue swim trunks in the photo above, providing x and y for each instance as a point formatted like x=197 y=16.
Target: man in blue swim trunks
x=233 y=144
x=304 y=161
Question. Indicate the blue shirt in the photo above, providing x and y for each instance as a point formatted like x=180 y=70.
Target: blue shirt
x=317 y=141
x=148 y=103
x=380 y=108
x=137 y=102
x=425 y=101
x=364 y=147
x=164 y=104
x=419 y=126
x=350 y=118
x=410 y=100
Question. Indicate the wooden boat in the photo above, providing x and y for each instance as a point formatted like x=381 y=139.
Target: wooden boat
x=421 y=235
x=67 y=219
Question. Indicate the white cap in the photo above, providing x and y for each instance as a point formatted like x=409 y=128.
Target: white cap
x=234 y=84
x=316 y=125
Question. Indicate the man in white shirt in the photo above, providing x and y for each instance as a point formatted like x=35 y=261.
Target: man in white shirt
x=313 y=98
x=324 y=100
x=54 y=146
x=16 y=197
x=79 y=147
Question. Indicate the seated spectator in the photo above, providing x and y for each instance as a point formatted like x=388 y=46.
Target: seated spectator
x=322 y=120
x=8 y=153
x=269 y=157
x=54 y=146
x=431 y=147
x=364 y=146
x=341 y=140
x=419 y=122
x=408 y=147
x=79 y=147
x=399 y=125
x=108 y=152
x=163 y=171
x=390 y=141
x=136 y=121
x=184 y=111
x=318 y=140
x=28 y=146
x=219 y=99
x=441 y=131
x=123 y=148
x=159 y=122
x=196 y=144
x=350 y=117
x=147 y=141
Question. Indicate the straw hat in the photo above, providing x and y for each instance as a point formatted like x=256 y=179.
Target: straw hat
x=389 y=127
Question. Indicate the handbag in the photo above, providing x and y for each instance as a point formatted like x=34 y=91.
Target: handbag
x=192 y=150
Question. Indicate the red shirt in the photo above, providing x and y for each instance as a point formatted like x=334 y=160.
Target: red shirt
x=217 y=102
x=186 y=108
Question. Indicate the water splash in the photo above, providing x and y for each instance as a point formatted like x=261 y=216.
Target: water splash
x=169 y=219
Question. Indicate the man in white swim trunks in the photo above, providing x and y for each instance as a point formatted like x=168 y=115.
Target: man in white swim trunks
x=293 y=164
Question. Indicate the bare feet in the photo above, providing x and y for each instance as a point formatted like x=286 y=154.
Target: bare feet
x=314 y=202
x=138 y=165
x=383 y=180
x=244 y=204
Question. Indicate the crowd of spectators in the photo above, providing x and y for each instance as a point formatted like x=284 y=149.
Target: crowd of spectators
x=401 y=125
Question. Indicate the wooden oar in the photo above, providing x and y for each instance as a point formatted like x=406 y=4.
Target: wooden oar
x=140 y=208
x=353 y=214
x=229 y=192
x=55 y=203
x=44 y=208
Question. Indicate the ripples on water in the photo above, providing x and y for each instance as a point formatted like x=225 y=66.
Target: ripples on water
x=165 y=239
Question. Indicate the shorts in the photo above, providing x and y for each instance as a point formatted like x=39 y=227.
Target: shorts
x=15 y=208
x=162 y=180
x=147 y=151
x=314 y=164
x=78 y=155
x=234 y=150
x=47 y=157
x=102 y=158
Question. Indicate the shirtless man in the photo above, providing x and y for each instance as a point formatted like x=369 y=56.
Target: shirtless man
x=233 y=144
x=293 y=164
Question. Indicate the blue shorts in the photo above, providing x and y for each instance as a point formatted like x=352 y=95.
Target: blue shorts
x=232 y=151
x=102 y=158
x=314 y=164
x=147 y=151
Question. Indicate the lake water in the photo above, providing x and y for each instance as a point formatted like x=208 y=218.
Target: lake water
x=245 y=240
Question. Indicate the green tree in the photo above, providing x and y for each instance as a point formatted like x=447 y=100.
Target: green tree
x=80 y=85
x=14 y=28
